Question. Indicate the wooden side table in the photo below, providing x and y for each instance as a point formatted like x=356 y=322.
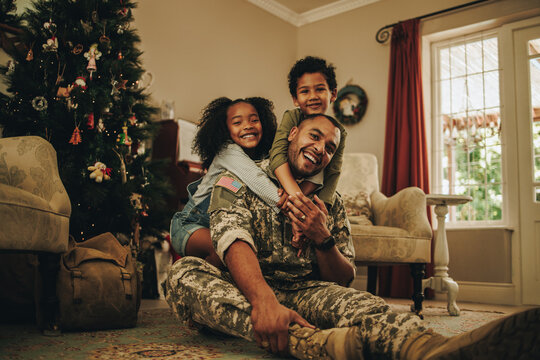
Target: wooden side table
x=440 y=281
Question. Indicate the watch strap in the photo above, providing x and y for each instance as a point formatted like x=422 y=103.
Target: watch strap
x=326 y=244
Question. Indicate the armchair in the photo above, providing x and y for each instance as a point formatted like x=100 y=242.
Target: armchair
x=35 y=211
x=385 y=231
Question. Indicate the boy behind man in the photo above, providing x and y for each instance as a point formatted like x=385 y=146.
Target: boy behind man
x=313 y=87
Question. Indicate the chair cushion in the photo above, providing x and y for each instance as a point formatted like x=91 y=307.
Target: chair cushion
x=383 y=244
x=358 y=208
x=29 y=223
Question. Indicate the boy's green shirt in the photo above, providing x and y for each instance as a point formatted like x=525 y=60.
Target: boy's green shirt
x=278 y=154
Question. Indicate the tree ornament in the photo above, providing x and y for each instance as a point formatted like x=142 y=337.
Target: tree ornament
x=10 y=67
x=120 y=56
x=30 y=54
x=39 y=103
x=87 y=26
x=136 y=201
x=124 y=138
x=77 y=49
x=51 y=44
x=133 y=120
x=76 y=136
x=90 y=122
x=100 y=126
x=80 y=81
x=92 y=55
x=64 y=92
x=99 y=172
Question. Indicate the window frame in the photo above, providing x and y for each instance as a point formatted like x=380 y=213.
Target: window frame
x=431 y=45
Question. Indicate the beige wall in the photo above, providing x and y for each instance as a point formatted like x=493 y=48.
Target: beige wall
x=200 y=50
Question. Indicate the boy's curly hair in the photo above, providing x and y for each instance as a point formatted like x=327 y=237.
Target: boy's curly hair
x=310 y=65
x=213 y=134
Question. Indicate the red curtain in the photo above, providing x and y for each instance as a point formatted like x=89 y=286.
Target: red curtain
x=405 y=152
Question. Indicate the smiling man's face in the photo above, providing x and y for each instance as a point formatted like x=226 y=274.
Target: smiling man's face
x=312 y=145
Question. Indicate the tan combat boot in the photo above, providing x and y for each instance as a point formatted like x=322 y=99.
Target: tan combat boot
x=511 y=337
x=335 y=343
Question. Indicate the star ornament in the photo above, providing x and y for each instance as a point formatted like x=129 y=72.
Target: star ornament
x=121 y=84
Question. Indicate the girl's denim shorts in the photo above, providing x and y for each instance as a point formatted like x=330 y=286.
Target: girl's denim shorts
x=186 y=222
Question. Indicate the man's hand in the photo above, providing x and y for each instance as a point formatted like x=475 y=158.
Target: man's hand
x=271 y=322
x=308 y=216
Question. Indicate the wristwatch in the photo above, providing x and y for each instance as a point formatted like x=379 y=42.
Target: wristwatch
x=326 y=244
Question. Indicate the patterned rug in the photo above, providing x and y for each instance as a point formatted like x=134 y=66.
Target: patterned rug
x=159 y=336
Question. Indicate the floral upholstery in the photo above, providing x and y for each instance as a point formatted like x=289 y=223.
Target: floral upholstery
x=34 y=205
x=384 y=230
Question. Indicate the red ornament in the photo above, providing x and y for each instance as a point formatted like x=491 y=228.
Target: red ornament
x=76 y=136
x=90 y=122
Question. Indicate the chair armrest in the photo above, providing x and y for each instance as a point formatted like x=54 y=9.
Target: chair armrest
x=406 y=210
x=29 y=163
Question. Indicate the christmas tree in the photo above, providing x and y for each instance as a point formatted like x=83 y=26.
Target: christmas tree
x=74 y=81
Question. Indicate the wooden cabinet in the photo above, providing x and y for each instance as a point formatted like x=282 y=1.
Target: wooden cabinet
x=180 y=173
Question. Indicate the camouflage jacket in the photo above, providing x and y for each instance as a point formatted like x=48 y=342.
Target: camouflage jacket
x=237 y=213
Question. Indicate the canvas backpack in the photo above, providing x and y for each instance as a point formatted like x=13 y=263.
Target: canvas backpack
x=98 y=285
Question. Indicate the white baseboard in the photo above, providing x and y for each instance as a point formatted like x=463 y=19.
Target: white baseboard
x=486 y=293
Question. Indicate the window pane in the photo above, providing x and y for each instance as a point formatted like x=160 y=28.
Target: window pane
x=445 y=100
x=457 y=60
x=534 y=47
x=535 y=119
x=495 y=202
x=475 y=92
x=444 y=64
x=474 y=57
x=537 y=193
x=459 y=95
x=491 y=81
x=491 y=54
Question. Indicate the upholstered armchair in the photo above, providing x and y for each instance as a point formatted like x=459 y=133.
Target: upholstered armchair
x=34 y=213
x=385 y=231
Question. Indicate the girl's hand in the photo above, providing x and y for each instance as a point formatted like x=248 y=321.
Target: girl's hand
x=297 y=236
x=283 y=196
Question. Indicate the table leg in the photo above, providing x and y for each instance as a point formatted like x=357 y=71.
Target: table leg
x=440 y=281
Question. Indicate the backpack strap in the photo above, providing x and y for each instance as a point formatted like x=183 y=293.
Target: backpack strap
x=126 y=280
x=76 y=276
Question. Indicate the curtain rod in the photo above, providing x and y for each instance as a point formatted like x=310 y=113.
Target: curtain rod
x=384 y=34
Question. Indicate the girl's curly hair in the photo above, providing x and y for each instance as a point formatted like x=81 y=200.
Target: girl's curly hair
x=213 y=134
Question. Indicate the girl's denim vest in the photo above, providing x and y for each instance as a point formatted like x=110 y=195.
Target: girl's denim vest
x=191 y=218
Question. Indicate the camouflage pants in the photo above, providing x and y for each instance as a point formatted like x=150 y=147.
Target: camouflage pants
x=199 y=291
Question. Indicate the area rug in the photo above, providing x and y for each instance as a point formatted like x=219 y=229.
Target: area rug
x=158 y=335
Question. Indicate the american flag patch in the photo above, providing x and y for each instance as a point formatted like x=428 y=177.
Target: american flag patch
x=229 y=183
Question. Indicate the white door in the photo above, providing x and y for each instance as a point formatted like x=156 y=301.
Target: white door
x=527 y=109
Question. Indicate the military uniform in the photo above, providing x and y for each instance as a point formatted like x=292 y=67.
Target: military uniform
x=200 y=292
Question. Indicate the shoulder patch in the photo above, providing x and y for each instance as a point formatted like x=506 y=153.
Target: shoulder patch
x=229 y=184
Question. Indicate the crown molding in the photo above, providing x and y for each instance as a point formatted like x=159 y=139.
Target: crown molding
x=281 y=11
x=310 y=16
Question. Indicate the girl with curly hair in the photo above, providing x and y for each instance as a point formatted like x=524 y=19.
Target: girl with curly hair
x=231 y=135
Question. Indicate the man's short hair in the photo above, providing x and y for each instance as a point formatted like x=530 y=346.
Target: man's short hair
x=312 y=116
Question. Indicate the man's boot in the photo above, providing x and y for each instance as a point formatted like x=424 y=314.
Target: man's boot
x=512 y=337
x=335 y=343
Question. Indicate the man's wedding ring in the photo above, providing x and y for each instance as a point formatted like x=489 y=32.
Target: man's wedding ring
x=303 y=217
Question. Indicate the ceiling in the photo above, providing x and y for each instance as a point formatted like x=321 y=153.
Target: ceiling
x=301 y=12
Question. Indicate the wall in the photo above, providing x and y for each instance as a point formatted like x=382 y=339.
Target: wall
x=200 y=50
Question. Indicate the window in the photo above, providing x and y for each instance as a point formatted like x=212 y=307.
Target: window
x=467 y=124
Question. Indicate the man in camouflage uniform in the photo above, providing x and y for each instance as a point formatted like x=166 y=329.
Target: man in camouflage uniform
x=271 y=295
